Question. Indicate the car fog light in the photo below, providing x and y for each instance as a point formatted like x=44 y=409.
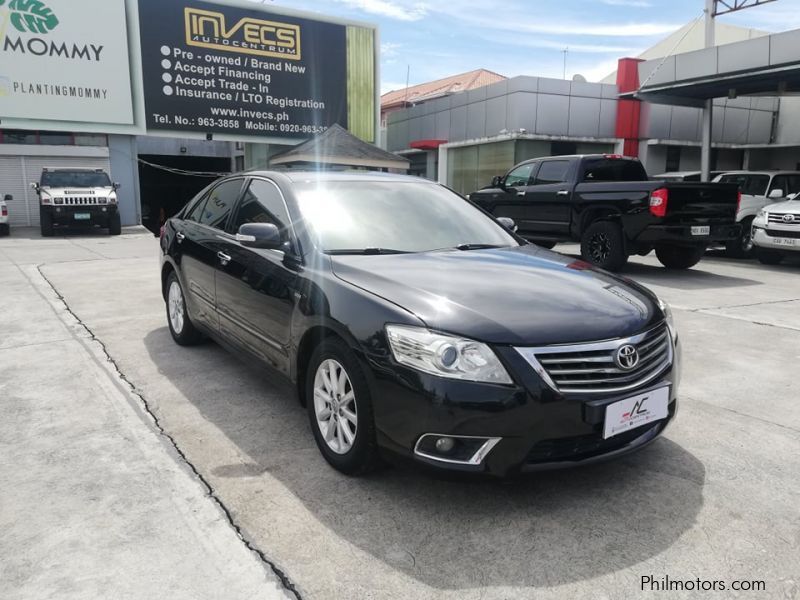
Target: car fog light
x=445 y=444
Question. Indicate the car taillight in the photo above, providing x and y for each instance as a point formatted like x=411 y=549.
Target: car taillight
x=739 y=201
x=613 y=156
x=162 y=231
x=658 y=202
x=4 y=211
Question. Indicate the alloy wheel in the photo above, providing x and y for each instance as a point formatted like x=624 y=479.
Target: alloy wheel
x=599 y=247
x=177 y=310
x=335 y=406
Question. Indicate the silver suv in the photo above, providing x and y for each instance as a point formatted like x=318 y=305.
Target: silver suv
x=776 y=231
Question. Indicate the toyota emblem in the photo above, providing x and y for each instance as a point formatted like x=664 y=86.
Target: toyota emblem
x=627 y=357
x=788 y=218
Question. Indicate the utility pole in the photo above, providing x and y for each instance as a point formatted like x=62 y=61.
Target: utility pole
x=565 y=51
x=708 y=119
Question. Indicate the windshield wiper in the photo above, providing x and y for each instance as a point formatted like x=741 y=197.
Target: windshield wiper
x=366 y=251
x=478 y=246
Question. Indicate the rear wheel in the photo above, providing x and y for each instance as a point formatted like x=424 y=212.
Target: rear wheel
x=769 y=257
x=742 y=246
x=46 y=224
x=679 y=257
x=340 y=409
x=603 y=245
x=180 y=325
x=115 y=225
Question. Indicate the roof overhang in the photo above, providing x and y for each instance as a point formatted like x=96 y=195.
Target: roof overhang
x=764 y=66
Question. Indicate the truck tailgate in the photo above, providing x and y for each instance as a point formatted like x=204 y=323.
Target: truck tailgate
x=693 y=201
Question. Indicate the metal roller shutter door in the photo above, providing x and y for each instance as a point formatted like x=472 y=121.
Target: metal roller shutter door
x=17 y=172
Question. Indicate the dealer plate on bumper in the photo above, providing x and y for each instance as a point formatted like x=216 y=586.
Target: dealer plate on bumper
x=83 y=216
x=701 y=230
x=636 y=411
x=784 y=241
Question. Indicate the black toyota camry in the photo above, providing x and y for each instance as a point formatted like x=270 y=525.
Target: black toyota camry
x=415 y=325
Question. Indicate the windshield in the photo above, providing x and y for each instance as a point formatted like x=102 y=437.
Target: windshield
x=394 y=216
x=751 y=185
x=75 y=179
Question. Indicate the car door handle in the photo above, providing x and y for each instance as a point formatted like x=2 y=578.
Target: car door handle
x=223 y=258
x=522 y=193
x=180 y=237
x=562 y=193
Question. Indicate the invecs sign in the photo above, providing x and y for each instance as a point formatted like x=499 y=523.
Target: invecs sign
x=209 y=29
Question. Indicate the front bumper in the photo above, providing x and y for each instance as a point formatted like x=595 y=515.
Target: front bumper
x=764 y=238
x=75 y=216
x=538 y=428
x=682 y=234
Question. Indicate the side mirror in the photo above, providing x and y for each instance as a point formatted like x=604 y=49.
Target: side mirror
x=35 y=185
x=117 y=185
x=8 y=198
x=497 y=181
x=776 y=193
x=265 y=236
x=508 y=223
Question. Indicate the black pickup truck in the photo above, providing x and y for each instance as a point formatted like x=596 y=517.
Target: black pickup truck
x=607 y=203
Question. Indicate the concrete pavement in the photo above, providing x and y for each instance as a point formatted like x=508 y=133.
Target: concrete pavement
x=96 y=502
x=715 y=498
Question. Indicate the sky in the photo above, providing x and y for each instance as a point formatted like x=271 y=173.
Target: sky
x=430 y=39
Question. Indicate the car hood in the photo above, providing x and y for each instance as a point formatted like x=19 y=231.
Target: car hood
x=523 y=295
x=789 y=206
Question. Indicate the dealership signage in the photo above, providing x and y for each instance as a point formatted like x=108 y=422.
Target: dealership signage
x=63 y=60
x=239 y=71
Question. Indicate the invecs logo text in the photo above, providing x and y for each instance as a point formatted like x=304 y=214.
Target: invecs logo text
x=208 y=29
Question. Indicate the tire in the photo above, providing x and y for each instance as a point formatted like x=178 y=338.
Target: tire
x=680 y=257
x=46 y=224
x=180 y=325
x=742 y=246
x=769 y=257
x=115 y=225
x=544 y=244
x=603 y=245
x=358 y=455
x=5 y=229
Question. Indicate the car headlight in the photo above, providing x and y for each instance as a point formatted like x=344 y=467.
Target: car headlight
x=445 y=355
x=665 y=308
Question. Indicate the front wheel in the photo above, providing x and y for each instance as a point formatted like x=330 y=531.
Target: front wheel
x=115 y=225
x=769 y=257
x=603 y=245
x=180 y=325
x=742 y=246
x=679 y=257
x=46 y=224
x=340 y=409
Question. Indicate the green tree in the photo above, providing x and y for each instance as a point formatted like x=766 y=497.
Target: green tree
x=31 y=15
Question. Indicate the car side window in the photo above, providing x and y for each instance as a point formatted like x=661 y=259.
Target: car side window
x=262 y=203
x=552 y=171
x=519 y=176
x=194 y=212
x=220 y=201
x=780 y=182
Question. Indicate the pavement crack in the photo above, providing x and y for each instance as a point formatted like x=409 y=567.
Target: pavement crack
x=145 y=405
x=728 y=306
x=744 y=415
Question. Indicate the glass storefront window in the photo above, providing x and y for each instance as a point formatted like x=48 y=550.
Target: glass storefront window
x=91 y=139
x=55 y=138
x=19 y=137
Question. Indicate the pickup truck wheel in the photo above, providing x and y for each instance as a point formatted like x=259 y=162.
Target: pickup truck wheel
x=115 y=225
x=602 y=245
x=742 y=246
x=46 y=225
x=769 y=257
x=543 y=244
x=5 y=229
x=680 y=257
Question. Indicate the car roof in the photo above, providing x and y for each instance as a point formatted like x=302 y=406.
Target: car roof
x=761 y=172
x=308 y=175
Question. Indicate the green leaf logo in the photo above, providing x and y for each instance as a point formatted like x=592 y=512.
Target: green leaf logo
x=31 y=15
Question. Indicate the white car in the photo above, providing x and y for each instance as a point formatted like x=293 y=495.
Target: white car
x=776 y=231
x=4 y=226
x=758 y=188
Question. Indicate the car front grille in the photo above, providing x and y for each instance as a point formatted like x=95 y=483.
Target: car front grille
x=594 y=368
x=80 y=200
x=587 y=446
x=778 y=219
x=790 y=233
